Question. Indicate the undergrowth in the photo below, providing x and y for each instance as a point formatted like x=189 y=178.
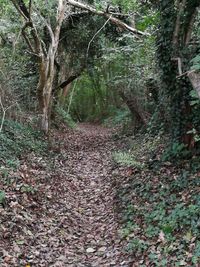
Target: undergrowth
x=64 y=116
x=126 y=159
x=160 y=206
x=16 y=140
x=118 y=117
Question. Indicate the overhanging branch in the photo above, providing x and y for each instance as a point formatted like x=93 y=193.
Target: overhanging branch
x=114 y=20
x=21 y=8
x=69 y=80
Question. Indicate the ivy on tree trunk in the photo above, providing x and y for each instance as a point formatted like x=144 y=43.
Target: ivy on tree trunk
x=173 y=52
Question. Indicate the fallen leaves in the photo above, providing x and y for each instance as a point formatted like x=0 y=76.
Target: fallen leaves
x=60 y=208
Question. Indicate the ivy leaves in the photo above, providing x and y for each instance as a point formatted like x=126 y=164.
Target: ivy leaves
x=195 y=63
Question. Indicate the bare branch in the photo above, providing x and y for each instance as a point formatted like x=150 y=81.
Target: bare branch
x=22 y=10
x=119 y=14
x=3 y=116
x=96 y=35
x=71 y=96
x=32 y=53
x=185 y=73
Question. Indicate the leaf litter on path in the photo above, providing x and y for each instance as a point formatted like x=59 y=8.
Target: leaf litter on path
x=65 y=214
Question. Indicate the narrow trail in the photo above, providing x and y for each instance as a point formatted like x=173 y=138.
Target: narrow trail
x=73 y=223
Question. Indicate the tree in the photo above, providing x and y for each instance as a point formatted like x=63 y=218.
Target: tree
x=46 y=51
x=175 y=49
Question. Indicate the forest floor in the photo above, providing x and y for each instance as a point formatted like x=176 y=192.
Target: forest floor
x=60 y=208
x=96 y=198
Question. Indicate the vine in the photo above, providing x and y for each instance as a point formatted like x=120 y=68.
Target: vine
x=173 y=53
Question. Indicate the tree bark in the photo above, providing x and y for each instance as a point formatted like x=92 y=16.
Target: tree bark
x=194 y=77
x=44 y=90
x=45 y=54
x=135 y=110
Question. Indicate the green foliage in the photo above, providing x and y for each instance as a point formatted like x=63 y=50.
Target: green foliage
x=130 y=64
x=160 y=205
x=18 y=81
x=64 y=116
x=16 y=140
x=92 y=100
x=76 y=36
x=127 y=5
x=110 y=65
x=176 y=151
x=195 y=134
x=195 y=98
x=137 y=245
x=161 y=215
x=144 y=146
x=121 y=118
x=120 y=63
x=195 y=63
x=2 y=198
x=126 y=159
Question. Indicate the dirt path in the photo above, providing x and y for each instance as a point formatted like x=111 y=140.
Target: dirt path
x=70 y=221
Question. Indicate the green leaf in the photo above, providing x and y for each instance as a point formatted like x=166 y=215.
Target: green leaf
x=193 y=94
x=167 y=229
x=194 y=102
x=20 y=242
x=2 y=197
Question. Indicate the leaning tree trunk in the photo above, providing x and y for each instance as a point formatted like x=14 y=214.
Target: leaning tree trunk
x=138 y=114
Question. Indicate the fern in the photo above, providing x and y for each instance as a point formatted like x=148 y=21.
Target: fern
x=126 y=159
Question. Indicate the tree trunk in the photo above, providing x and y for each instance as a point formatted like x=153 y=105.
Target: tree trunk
x=66 y=91
x=176 y=24
x=195 y=80
x=138 y=115
x=44 y=90
x=45 y=53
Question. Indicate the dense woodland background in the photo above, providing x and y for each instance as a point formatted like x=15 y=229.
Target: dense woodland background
x=131 y=65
